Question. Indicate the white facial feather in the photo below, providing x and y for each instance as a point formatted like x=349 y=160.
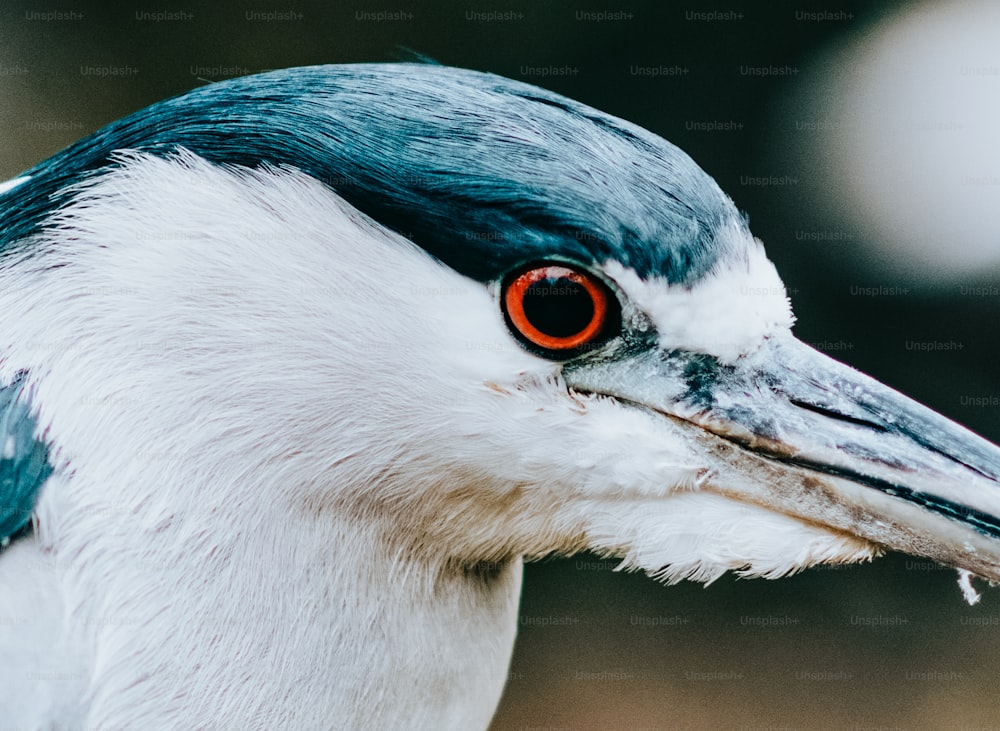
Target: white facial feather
x=728 y=314
x=285 y=437
x=700 y=536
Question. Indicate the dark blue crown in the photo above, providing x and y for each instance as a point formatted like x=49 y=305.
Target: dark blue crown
x=482 y=172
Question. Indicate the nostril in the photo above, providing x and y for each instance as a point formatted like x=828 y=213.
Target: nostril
x=823 y=411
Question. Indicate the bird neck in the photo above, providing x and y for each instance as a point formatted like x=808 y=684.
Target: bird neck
x=296 y=626
x=399 y=636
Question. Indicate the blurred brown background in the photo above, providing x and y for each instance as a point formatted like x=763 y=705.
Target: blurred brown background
x=885 y=646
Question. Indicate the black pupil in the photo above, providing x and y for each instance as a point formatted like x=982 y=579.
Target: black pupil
x=558 y=306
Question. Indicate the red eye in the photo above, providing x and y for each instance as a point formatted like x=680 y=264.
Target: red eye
x=557 y=309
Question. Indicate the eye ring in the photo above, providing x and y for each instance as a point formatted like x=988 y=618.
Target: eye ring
x=557 y=309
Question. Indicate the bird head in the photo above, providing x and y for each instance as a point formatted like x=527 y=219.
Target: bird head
x=472 y=316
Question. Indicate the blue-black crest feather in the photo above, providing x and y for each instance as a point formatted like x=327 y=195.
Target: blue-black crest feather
x=24 y=464
x=481 y=171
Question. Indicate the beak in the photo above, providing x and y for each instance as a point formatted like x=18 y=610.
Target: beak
x=794 y=431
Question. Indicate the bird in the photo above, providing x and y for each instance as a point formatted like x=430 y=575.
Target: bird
x=299 y=368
